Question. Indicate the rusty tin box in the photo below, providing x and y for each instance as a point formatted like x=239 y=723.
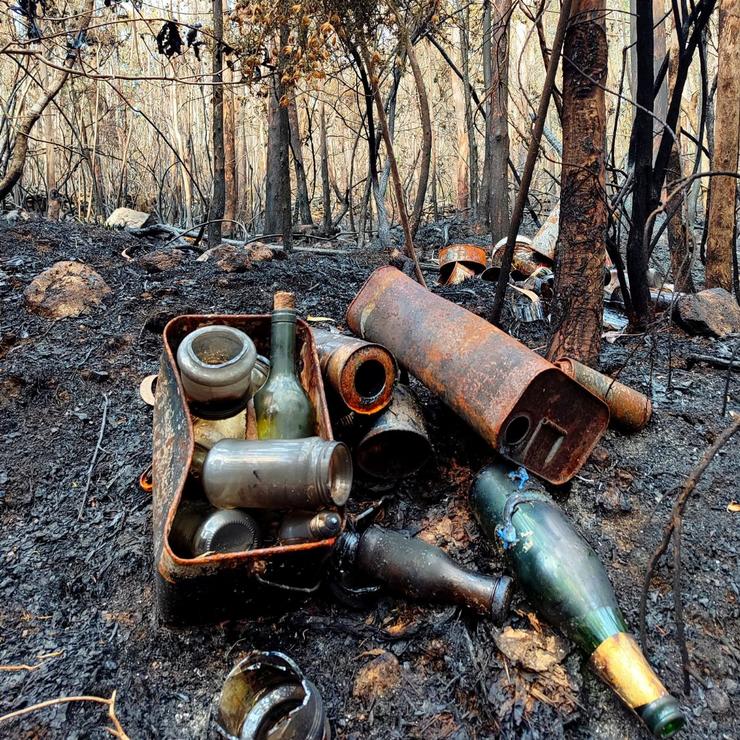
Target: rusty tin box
x=222 y=586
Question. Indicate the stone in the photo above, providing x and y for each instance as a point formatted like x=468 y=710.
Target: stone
x=128 y=218
x=259 y=252
x=65 y=289
x=378 y=678
x=161 y=260
x=228 y=258
x=712 y=313
x=718 y=701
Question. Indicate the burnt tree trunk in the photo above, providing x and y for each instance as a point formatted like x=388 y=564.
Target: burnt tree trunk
x=229 y=153
x=578 y=304
x=325 y=184
x=277 y=189
x=497 y=123
x=721 y=237
x=218 y=198
x=303 y=205
x=641 y=151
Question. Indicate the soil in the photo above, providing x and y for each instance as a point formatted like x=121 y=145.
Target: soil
x=76 y=584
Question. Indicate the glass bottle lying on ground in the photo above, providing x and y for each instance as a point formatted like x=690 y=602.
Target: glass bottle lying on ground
x=564 y=577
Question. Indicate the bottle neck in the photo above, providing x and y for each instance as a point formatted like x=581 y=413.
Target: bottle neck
x=282 y=354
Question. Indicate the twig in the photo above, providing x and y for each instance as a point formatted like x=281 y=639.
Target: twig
x=110 y=703
x=720 y=362
x=674 y=526
x=94 y=458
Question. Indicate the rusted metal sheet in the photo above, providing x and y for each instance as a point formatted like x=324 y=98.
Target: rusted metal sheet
x=458 y=262
x=629 y=409
x=225 y=585
x=524 y=262
x=520 y=403
x=361 y=373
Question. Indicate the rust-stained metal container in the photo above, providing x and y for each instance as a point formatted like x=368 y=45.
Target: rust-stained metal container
x=362 y=373
x=220 y=586
x=520 y=403
x=629 y=409
x=455 y=256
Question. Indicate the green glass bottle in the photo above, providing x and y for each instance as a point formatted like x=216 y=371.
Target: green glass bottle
x=564 y=577
x=282 y=407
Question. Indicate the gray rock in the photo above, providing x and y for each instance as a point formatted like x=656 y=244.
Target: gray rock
x=712 y=313
x=718 y=701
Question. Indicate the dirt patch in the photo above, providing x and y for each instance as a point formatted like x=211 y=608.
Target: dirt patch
x=80 y=590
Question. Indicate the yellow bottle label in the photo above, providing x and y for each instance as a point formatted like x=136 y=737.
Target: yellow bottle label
x=619 y=662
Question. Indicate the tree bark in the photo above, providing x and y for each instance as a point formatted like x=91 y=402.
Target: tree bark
x=218 y=197
x=579 y=269
x=230 y=180
x=303 y=204
x=28 y=120
x=459 y=95
x=277 y=191
x=325 y=184
x=721 y=226
x=497 y=123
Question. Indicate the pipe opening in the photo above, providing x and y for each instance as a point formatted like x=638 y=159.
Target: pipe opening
x=370 y=379
x=217 y=348
x=393 y=454
x=340 y=474
x=516 y=430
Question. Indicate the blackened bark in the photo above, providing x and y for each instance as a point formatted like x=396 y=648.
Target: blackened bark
x=303 y=204
x=218 y=200
x=579 y=268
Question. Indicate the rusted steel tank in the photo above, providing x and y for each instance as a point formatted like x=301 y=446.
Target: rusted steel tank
x=629 y=409
x=520 y=403
x=225 y=585
x=362 y=373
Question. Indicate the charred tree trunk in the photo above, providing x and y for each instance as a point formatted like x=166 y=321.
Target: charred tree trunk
x=497 y=123
x=28 y=120
x=721 y=238
x=325 y=184
x=218 y=198
x=472 y=147
x=641 y=150
x=230 y=180
x=303 y=205
x=484 y=192
x=277 y=190
x=578 y=304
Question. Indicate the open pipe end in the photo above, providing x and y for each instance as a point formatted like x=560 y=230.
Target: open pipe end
x=367 y=379
x=392 y=454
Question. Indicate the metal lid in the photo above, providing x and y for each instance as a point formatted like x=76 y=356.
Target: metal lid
x=226 y=530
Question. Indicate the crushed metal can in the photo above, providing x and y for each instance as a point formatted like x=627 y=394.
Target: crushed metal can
x=458 y=262
x=521 y=404
x=267 y=697
x=222 y=585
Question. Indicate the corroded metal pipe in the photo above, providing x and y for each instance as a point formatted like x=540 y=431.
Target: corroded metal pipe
x=362 y=373
x=457 y=262
x=520 y=403
x=306 y=473
x=397 y=444
x=422 y=571
x=629 y=409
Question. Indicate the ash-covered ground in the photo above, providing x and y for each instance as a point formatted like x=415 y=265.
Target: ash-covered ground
x=76 y=592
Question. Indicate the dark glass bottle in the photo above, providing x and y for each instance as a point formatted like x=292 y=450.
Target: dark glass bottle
x=282 y=407
x=564 y=577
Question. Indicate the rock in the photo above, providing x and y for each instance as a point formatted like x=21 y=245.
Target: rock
x=718 y=701
x=712 y=312
x=600 y=457
x=228 y=258
x=378 y=678
x=532 y=650
x=127 y=218
x=65 y=289
x=161 y=260
x=259 y=252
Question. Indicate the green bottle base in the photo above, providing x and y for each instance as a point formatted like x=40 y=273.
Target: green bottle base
x=663 y=717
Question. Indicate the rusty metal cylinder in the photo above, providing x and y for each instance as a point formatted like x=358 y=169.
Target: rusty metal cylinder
x=308 y=474
x=457 y=262
x=397 y=444
x=362 y=373
x=521 y=404
x=422 y=571
x=629 y=409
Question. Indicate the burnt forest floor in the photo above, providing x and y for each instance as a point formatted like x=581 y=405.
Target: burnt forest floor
x=76 y=594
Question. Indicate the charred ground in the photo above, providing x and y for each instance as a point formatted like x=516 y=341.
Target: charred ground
x=79 y=590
